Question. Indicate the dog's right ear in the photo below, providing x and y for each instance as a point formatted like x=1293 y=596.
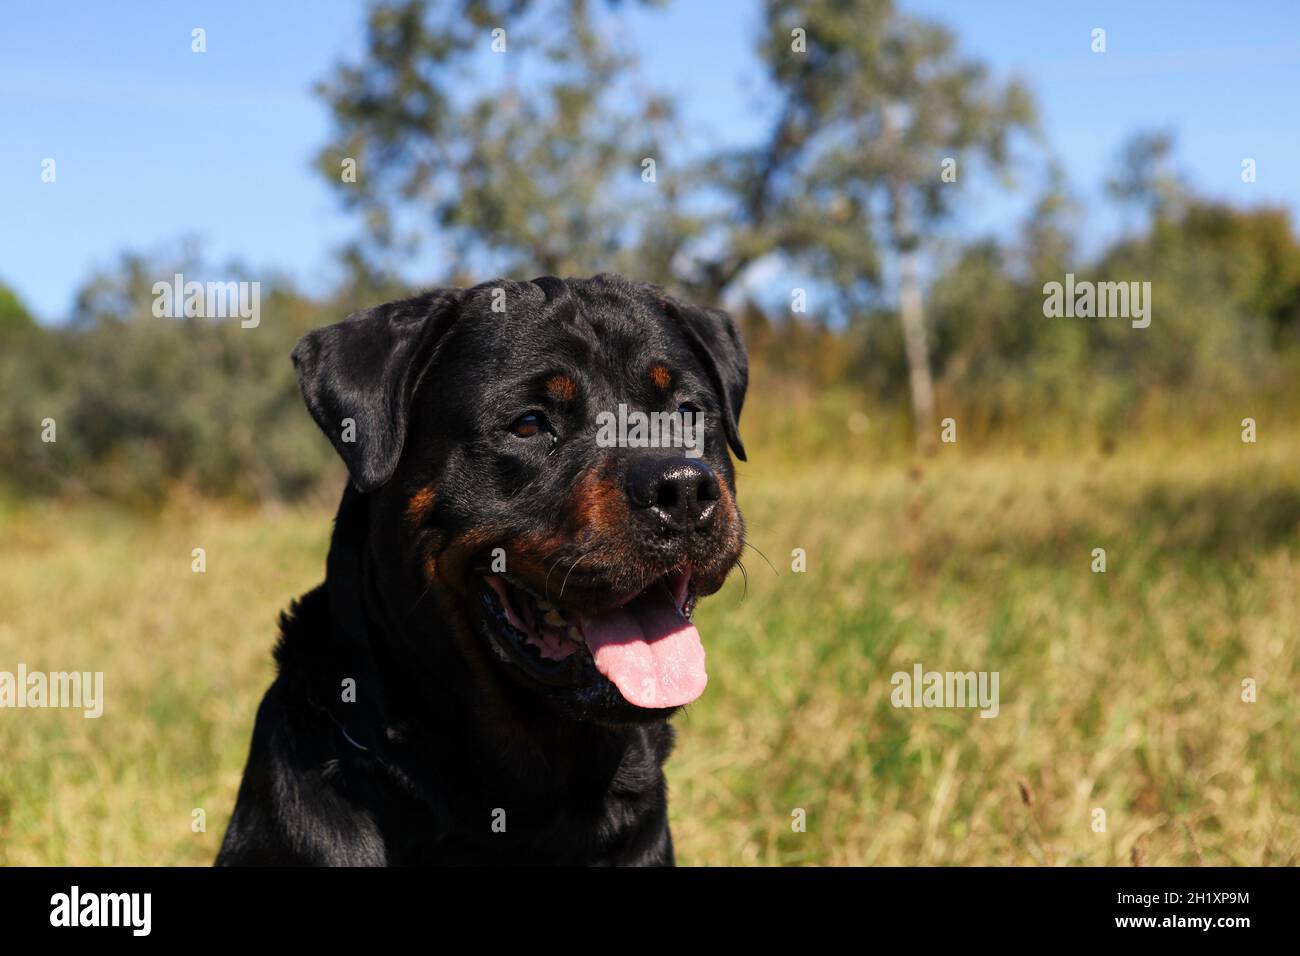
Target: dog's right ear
x=713 y=336
x=359 y=377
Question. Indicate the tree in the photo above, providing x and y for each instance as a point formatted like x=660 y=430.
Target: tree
x=534 y=163
x=13 y=314
x=1144 y=178
x=514 y=138
x=872 y=111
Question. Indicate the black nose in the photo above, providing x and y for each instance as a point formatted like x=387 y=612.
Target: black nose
x=680 y=493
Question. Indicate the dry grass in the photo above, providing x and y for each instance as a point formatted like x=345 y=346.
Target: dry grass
x=1119 y=691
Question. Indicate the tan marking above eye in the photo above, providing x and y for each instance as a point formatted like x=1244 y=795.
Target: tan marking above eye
x=661 y=377
x=561 y=388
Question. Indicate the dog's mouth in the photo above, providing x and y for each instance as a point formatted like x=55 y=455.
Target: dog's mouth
x=645 y=643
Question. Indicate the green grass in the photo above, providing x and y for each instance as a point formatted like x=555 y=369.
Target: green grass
x=1119 y=691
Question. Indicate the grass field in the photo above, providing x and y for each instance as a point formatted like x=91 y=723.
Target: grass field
x=1119 y=691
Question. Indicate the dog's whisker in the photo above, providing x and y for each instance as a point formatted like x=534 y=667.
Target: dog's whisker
x=411 y=610
x=565 y=583
x=546 y=585
x=763 y=556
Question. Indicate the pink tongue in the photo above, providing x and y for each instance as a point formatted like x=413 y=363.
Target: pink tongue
x=649 y=650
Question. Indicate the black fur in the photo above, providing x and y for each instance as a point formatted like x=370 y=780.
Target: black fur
x=445 y=741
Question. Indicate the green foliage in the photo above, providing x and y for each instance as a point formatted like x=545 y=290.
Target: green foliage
x=13 y=314
x=145 y=406
x=1224 y=290
x=866 y=116
x=1143 y=177
x=524 y=158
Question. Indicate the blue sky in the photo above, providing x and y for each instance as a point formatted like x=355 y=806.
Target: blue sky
x=155 y=144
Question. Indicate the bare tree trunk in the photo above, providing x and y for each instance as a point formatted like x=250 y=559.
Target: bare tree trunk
x=918 y=353
x=912 y=313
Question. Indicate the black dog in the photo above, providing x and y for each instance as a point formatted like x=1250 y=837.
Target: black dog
x=487 y=673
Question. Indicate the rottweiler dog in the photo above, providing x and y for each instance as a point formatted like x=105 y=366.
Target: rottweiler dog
x=487 y=672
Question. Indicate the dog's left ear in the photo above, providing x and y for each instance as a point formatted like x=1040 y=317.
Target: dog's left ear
x=358 y=378
x=716 y=341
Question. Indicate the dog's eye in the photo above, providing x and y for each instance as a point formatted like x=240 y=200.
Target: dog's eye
x=688 y=408
x=529 y=426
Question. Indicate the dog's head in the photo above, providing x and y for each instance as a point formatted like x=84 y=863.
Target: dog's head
x=554 y=455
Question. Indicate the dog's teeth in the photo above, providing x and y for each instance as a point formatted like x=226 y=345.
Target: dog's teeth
x=575 y=634
x=544 y=605
x=554 y=618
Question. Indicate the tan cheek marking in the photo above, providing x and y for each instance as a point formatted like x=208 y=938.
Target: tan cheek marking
x=661 y=377
x=561 y=388
x=419 y=504
x=594 y=503
x=452 y=566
